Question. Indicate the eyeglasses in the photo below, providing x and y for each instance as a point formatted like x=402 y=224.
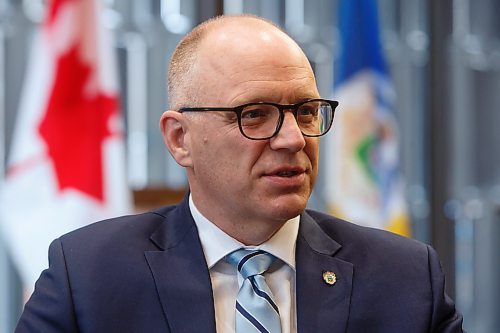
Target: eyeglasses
x=262 y=121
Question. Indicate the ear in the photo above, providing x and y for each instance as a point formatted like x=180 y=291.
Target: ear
x=173 y=127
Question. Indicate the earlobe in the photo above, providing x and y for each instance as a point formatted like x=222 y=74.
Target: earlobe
x=175 y=135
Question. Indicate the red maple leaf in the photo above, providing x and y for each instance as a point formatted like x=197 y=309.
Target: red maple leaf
x=74 y=127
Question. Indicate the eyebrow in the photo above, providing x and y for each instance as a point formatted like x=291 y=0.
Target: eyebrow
x=298 y=99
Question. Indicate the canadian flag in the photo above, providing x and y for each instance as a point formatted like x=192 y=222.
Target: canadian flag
x=66 y=165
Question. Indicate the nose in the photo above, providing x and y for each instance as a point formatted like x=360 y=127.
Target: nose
x=289 y=136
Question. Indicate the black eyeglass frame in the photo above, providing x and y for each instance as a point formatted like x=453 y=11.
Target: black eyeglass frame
x=281 y=107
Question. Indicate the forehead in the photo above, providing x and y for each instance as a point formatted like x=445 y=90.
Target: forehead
x=244 y=63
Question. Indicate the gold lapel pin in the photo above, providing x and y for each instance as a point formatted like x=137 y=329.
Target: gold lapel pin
x=329 y=278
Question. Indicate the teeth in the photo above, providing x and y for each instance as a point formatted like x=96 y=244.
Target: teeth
x=286 y=173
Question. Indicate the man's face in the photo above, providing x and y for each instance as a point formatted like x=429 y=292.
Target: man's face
x=232 y=177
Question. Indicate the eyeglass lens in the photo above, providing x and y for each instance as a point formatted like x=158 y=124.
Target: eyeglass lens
x=260 y=121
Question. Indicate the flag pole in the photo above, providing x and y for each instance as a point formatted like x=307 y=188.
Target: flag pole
x=3 y=113
x=137 y=141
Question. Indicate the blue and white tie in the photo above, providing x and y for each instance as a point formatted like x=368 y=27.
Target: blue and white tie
x=256 y=310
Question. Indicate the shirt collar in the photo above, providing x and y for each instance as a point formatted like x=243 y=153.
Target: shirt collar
x=217 y=244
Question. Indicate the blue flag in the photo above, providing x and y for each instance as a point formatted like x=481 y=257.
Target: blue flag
x=366 y=186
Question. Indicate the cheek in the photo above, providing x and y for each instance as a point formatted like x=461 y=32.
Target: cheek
x=312 y=151
x=227 y=156
x=226 y=153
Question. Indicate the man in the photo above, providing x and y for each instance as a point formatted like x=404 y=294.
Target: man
x=251 y=168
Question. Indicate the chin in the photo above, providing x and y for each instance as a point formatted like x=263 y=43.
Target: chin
x=287 y=208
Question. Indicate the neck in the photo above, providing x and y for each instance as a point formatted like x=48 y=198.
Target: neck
x=250 y=234
x=249 y=230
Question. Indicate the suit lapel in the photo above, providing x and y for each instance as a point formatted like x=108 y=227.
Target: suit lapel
x=181 y=275
x=321 y=307
x=183 y=282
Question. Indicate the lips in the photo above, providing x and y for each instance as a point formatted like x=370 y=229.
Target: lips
x=286 y=172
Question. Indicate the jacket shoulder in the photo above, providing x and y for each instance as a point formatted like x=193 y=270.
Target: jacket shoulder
x=364 y=242
x=121 y=228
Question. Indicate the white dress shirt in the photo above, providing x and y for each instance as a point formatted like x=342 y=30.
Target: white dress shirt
x=226 y=282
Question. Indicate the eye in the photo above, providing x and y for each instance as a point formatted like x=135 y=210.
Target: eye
x=307 y=113
x=252 y=114
x=257 y=114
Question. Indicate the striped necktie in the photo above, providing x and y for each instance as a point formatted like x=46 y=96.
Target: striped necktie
x=256 y=310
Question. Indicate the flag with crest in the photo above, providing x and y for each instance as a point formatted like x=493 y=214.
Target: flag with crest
x=366 y=185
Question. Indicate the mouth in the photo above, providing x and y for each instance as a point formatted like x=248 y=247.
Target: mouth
x=286 y=178
x=287 y=174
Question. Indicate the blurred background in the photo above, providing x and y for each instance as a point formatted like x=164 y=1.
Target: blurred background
x=443 y=60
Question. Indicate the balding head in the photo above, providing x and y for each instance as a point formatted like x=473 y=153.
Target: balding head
x=218 y=43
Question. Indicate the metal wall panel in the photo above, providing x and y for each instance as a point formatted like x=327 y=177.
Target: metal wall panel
x=474 y=154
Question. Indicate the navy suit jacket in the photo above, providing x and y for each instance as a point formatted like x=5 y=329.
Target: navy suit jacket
x=147 y=273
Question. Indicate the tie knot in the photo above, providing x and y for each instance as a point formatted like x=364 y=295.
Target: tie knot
x=250 y=262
